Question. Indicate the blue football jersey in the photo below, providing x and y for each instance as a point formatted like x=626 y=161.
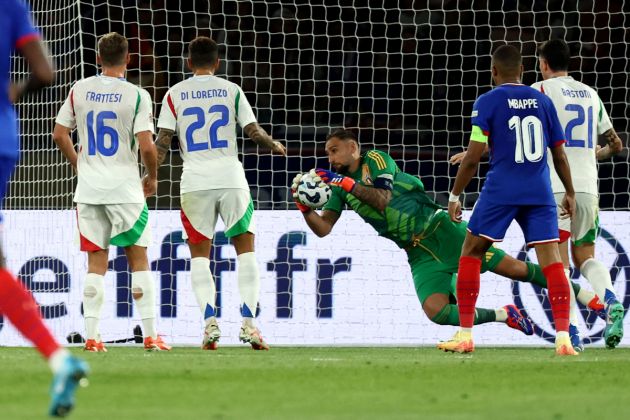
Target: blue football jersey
x=520 y=123
x=16 y=28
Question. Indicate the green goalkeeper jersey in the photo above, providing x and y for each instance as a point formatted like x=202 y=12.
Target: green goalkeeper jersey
x=409 y=211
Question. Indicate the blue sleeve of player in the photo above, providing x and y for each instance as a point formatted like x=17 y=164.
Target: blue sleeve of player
x=23 y=28
x=555 y=135
x=481 y=114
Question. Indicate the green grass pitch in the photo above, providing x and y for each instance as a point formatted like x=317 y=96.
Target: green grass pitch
x=328 y=383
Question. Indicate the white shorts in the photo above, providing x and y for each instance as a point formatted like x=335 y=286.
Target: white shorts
x=583 y=227
x=200 y=210
x=117 y=224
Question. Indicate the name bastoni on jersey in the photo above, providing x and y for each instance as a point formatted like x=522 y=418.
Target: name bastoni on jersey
x=204 y=94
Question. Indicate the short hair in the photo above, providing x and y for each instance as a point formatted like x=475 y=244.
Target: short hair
x=557 y=54
x=203 y=52
x=112 y=49
x=507 y=59
x=342 y=134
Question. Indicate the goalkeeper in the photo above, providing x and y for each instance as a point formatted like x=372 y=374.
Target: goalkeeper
x=397 y=206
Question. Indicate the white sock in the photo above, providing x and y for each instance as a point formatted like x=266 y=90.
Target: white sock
x=501 y=314
x=143 y=282
x=248 y=282
x=573 y=319
x=93 y=296
x=584 y=296
x=598 y=276
x=57 y=358
x=203 y=286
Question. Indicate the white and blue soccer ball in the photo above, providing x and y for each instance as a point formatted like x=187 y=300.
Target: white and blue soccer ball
x=312 y=192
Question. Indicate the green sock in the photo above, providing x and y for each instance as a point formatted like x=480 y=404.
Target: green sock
x=449 y=315
x=536 y=276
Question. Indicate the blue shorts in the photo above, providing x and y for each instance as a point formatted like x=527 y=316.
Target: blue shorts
x=7 y=166
x=539 y=223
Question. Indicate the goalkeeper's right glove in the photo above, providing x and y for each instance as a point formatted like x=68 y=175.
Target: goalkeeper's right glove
x=294 y=185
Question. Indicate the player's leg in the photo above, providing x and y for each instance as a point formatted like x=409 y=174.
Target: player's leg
x=585 y=229
x=131 y=232
x=236 y=208
x=433 y=267
x=504 y=265
x=94 y=232
x=199 y=215
x=539 y=224
x=19 y=307
x=564 y=233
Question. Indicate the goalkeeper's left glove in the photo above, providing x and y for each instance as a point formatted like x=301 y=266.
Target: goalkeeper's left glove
x=332 y=178
x=294 y=185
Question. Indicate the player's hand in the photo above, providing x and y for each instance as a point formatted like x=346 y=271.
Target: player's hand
x=457 y=158
x=332 y=178
x=455 y=211
x=149 y=186
x=278 y=148
x=294 y=184
x=568 y=206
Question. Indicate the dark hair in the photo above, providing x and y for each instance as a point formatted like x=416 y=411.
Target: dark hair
x=112 y=49
x=203 y=52
x=557 y=54
x=342 y=134
x=507 y=59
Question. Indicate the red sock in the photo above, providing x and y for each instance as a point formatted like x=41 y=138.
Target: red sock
x=467 y=289
x=17 y=304
x=558 y=287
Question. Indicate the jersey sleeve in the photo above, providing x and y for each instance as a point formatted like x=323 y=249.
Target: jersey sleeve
x=480 y=120
x=336 y=202
x=168 y=115
x=244 y=112
x=66 y=116
x=382 y=169
x=143 y=120
x=555 y=135
x=23 y=28
x=603 y=120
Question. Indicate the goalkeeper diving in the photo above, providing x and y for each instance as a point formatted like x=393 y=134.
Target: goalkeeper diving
x=396 y=205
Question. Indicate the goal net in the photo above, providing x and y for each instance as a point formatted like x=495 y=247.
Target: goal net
x=404 y=76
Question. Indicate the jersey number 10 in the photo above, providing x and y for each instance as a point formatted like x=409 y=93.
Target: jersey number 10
x=529 y=138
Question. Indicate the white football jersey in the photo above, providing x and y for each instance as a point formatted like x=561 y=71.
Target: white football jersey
x=108 y=113
x=583 y=118
x=204 y=110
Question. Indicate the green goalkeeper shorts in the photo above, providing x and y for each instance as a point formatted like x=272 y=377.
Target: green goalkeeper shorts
x=435 y=260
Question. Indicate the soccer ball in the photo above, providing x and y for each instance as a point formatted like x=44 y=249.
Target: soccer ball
x=311 y=193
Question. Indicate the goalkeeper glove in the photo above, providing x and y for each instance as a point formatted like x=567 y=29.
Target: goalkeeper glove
x=294 y=186
x=332 y=178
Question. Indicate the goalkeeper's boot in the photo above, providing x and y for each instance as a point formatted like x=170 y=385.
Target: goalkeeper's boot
x=211 y=335
x=517 y=321
x=95 y=346
x=598 y=307
x=576 y=340
x=564 y=346
x=461 y=342
x=252 y=336
x=613 y=333
x=155 y=344
x=72 y=373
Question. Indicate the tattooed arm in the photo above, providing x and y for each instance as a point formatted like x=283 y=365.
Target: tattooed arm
x=374 y=197
x=261 y=138
x=614 y=145
x=163 y=144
